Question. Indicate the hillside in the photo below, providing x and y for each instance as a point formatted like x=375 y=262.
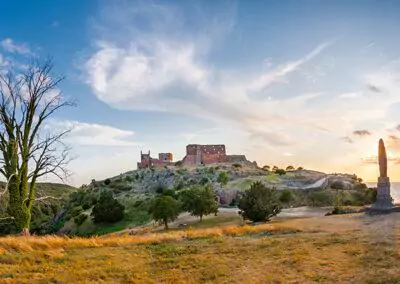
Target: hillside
x=335 y=249
x=135 y=189
x=43 y=212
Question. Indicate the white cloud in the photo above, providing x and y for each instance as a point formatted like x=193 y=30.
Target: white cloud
x=87 y=134
x=9 y=46
x=162 y=69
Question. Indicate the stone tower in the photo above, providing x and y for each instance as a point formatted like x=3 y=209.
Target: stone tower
x=383 y=198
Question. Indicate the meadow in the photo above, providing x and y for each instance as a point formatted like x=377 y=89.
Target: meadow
x=346 y=249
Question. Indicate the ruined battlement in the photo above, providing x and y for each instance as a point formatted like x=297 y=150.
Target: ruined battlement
x=196 y=154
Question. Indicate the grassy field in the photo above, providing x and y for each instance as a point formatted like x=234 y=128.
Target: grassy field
x=334 y=249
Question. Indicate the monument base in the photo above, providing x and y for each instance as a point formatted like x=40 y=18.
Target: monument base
x=384 y=201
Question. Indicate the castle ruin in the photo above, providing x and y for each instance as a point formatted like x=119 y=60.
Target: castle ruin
x=195 y=155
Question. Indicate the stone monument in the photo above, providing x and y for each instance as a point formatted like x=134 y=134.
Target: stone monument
x=383 y=199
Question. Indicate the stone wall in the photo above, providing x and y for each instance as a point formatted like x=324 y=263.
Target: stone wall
x=165 y=157
x=206 y=154
x=236 y=159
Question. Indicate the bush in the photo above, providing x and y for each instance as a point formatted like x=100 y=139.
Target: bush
x=204 y=180
x=107 y=181
x=129 y=178
x=280 y=172
x=320 y=198
x=259 y=203
x=223 y=178
x=78 y=220
x=338 y=185
x=76 y=211
x=286 y=196
x=108 y=209
x=237 y=166
x=86 y=206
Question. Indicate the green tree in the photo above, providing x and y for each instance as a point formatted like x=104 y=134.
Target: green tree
x=165 y=209
x=107 y=209
x=274 y=168
x=29 y=150
x=199 y=201
x=259 y=203
x=289 y=168
x=223 y=178
x=266 y=168
x=300 y=168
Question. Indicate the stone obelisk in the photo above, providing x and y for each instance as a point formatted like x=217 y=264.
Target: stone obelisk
x=383 y=198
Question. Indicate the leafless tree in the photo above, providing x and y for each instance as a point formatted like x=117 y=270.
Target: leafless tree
x=29 y=149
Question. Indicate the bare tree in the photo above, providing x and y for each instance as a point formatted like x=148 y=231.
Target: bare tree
x=29 y=149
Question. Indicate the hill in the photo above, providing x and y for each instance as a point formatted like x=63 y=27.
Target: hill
x=43 y=212
x=135 y=189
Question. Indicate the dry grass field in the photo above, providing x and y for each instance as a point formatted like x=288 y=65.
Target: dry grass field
x=335 y=249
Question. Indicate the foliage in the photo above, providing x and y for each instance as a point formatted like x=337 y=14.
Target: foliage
x=338 y=185
x=78 y=220
x=266 y=168
x=204 y=180
x=178 y=163
x=280 y=172
x=199 y=201
x=223 y=178
x=108 y=209
x=259 y=203
x=107 y=181
x=286 y=196
x=236 y=166
x=289 y=168
x=165 y=209
x=300 y=168
x=320 y=198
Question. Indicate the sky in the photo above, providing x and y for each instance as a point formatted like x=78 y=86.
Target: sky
x=297 y=82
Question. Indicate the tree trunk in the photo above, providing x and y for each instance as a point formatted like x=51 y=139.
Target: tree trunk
x=166 y=224
x=201 y=218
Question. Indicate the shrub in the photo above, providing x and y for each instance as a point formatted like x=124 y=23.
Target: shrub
x=236 y=166
x=76 y=211
x=85 y=206
x=338 y=185
x=280 y=172
x=204 y=180
x=259 y=203
x=129 y=178
x=223 y=178
x=108 y=209
x=107 y=181
x=286 y=196
x=78 y=220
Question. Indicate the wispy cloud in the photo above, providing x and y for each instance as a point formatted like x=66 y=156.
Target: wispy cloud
x=10 y=46
x=279 y=74
x=92 y=134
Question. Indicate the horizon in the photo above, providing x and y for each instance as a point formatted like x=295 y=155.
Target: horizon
x=303 y=83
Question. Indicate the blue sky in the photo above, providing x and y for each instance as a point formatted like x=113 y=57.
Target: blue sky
x=310 y=83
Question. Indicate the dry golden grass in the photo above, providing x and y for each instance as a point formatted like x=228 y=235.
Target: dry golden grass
x=271 y=253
